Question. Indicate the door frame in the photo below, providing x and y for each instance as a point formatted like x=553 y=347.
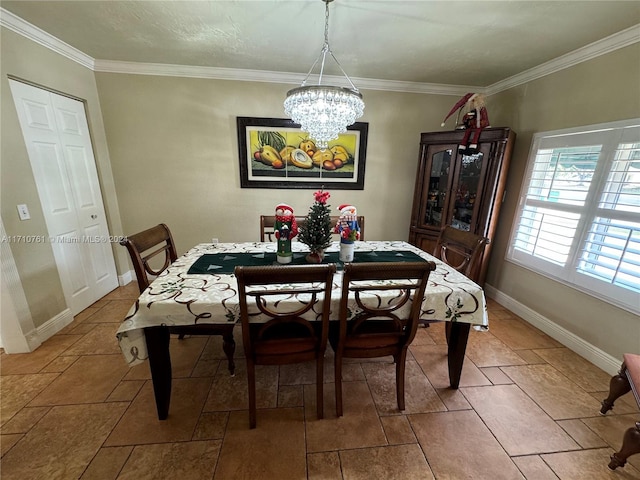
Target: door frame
x=18 y=333
x=99 y=183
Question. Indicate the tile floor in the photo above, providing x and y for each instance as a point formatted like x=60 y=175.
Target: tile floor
x=527 y=408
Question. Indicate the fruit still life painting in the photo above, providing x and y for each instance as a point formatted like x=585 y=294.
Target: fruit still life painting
x=296 y=152
x=276 y=153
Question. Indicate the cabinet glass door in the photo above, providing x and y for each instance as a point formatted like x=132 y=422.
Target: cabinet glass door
x=466 y=191
x=435 y=208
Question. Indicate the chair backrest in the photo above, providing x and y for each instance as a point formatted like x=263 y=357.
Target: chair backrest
x=267 y=222
x=285 y=332
x=461 y=250
x=376 y=325
x=138 y=244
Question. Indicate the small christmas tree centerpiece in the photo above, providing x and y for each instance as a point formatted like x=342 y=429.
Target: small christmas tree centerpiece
x=316 y=232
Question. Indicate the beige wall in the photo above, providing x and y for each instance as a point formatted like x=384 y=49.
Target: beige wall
x=601 y=90
x=36 y=266
x=174 y=154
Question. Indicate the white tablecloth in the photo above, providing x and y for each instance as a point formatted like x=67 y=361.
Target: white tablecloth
x=179 y=298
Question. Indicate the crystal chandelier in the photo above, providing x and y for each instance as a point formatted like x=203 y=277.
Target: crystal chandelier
x=324 y=111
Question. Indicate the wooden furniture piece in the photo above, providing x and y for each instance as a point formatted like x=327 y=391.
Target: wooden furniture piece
x=465 y=191
x=208 y=294
x=286 y=337
x=158 y=236
x=267 y=223
x=376 y=330
x=159 y=239
x=628 y=379
x=461 y=250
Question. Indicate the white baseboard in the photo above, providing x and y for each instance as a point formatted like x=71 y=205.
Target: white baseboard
x=22 y=343
x=570 y=340
x=126 y=278
x=53 y=325
x=33 y=340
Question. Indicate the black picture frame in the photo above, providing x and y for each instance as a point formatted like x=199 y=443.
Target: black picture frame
x=260 y=169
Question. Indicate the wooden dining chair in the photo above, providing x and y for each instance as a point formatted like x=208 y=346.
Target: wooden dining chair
x=626 y=380
x=368 y=328
x=267 y=223
x=461 y=250
x=285 y=337
x=143 y=248
x=158 y=236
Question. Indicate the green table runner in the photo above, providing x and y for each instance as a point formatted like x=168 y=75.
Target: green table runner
x=215 y=263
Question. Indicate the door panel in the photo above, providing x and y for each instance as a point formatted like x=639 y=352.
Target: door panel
x=468 y=192
x=83 y=175
x=83 y=193
x=68 y=120
x=73 y=265
x=39 y=113
x=50 y=165
x=59 y=144
x=100 y=253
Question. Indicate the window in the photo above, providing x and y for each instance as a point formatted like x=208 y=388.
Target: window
x=578 y=219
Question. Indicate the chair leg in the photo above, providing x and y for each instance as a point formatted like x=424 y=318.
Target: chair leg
x=319 y=386
x=251 y=380
x=630 y=446
x=229 y=347
x=400 y=365
x=618 y=386
x=338 y=382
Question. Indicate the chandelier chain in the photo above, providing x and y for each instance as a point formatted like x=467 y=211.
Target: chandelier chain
x=324 y=111
x=326 y=27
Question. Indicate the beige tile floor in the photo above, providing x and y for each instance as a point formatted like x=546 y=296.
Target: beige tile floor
x=526 y=408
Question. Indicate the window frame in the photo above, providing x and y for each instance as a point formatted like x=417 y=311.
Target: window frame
x=610 y=136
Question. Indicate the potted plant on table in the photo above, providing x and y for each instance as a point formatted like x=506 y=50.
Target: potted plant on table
x=316 y=232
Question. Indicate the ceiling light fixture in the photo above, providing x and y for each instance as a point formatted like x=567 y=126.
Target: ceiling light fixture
x=324 y=111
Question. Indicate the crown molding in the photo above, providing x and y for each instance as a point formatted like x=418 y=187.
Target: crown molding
x=609 y=44
x=415 y=87
x=236 y=74
x=35 y=34
x=218 y=73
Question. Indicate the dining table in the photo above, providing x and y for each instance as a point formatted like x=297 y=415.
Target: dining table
x=200 y=288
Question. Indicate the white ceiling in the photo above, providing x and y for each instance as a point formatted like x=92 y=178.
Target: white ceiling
x=434 y=42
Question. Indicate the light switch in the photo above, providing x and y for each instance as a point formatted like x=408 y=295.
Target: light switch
x=23 y=211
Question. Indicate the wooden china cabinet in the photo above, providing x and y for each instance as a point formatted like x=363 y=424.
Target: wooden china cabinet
x=463 y=190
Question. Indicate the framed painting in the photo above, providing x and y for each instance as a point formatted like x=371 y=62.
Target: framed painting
x=275 y=153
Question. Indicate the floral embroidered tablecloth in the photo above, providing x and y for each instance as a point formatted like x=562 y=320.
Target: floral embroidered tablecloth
x=179 y=298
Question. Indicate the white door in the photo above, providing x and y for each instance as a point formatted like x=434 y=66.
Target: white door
x=57 y=137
